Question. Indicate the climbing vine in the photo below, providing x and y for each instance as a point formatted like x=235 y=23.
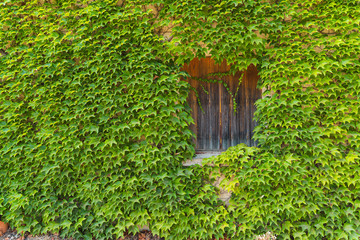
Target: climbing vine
x=214 y=78
x=94 y=120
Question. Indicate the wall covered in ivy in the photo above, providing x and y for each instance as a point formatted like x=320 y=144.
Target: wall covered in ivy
x=94 y=120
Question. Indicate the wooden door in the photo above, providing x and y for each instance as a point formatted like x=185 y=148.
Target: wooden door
x=218 y=127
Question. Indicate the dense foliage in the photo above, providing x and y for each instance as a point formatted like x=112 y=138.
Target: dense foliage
x=94 y=120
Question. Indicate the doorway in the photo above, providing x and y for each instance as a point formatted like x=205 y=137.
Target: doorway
x=217 y=126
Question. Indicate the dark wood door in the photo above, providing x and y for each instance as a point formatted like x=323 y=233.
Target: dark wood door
x=218 y=127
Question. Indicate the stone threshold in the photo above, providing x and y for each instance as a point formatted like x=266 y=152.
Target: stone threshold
x=200 y=156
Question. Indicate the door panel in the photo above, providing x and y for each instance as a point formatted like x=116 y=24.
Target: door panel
x=217 y=126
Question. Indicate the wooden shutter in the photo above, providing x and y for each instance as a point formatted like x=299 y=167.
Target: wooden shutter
x=219 y=127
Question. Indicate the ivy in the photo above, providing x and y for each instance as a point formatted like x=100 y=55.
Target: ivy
x=94 y=120
x=214 y=80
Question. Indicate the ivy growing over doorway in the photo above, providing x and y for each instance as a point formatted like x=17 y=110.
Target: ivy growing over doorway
x=94 y=120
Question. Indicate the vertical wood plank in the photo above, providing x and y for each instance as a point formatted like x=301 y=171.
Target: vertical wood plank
x=239 y=114
x=242 y=112
x=247 y=110
x=202 y=121
x=255 y=95
x=252 y=89
x=225 y=109
x=203 y=135
x=233 y=115
x=214 y=115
